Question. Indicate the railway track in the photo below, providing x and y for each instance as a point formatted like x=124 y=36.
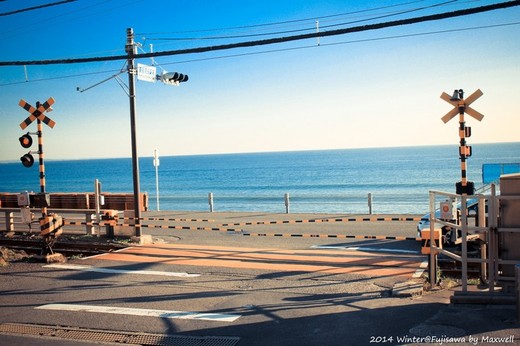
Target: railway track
x=453 y=268
x=67 y=248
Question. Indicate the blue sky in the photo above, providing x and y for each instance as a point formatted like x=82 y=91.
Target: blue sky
x=370 y=89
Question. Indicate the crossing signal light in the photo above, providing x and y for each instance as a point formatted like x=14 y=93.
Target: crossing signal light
x=465 y=150
x=26 y=140
x=174 y=78
x=27 y=160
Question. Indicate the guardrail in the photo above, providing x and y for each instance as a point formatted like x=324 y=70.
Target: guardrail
x=490 y=256
x=283 y=202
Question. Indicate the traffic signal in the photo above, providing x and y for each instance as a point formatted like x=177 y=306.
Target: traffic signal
x=27 y=160
x=26 y=140
x=174 y=78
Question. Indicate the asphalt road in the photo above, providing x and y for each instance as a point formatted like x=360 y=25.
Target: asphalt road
x=221 y=287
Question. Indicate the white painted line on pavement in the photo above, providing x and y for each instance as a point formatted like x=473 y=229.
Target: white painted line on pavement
x=102 y=254
x=119 y=271
x=365 y=249
x=419 y=272
x=185 y=315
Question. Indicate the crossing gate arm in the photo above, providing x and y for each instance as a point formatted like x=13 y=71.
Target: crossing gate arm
x=425 y=237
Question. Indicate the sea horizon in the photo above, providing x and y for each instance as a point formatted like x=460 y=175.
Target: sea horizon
x=50 y=159
x=329 y=181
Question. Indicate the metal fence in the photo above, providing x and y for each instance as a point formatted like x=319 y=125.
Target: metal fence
x=482 y=226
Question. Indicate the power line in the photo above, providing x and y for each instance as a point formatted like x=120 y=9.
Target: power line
x=60 y=77
x=282 y=22
x=63 y=17
x=276 y=51
x=346 y=42
x=36 y=7
x=301 y=30
x=336 y=32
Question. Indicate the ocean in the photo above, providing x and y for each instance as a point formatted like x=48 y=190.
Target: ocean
x=322 y=181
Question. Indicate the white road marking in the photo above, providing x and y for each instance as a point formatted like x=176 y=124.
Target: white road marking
x=185 y=315
x=419 y=272
x=101 y=254
x=366 y=249
x=119 y=271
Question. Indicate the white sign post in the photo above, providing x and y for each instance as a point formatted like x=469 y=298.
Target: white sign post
x=156 y=165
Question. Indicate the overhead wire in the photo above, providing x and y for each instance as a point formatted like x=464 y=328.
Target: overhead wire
x=281 y=22
x=276 y=51
x=35 y=7
x=344 y=42
x=60 y=77
x=270 y=41
x=64 y=17
x=301 y=30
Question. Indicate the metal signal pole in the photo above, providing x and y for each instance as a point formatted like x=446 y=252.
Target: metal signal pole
x=130 y=49
x=461 y=106
x=41 y=160
x=39 y=128
x=464 y=150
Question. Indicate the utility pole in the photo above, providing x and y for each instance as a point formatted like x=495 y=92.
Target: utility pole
x=149 y=74
x=130 y=49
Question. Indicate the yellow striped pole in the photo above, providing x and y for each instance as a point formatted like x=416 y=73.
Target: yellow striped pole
x=461 y=106
x=41 y=161
x=462 y=148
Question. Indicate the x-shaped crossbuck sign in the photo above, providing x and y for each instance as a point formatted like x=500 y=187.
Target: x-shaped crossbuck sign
x=37 y=113
x=462 y=103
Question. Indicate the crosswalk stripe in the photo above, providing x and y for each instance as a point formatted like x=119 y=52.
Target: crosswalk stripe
x=419 y=272
x=119 y=271
x=185 y=315
x=367 y=249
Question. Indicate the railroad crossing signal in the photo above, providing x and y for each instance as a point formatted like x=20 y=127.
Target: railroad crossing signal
x=50 y=225
x=27 y=160
x=26 y=140
x=461 y=106
x=459 y=102
x=37 y=113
